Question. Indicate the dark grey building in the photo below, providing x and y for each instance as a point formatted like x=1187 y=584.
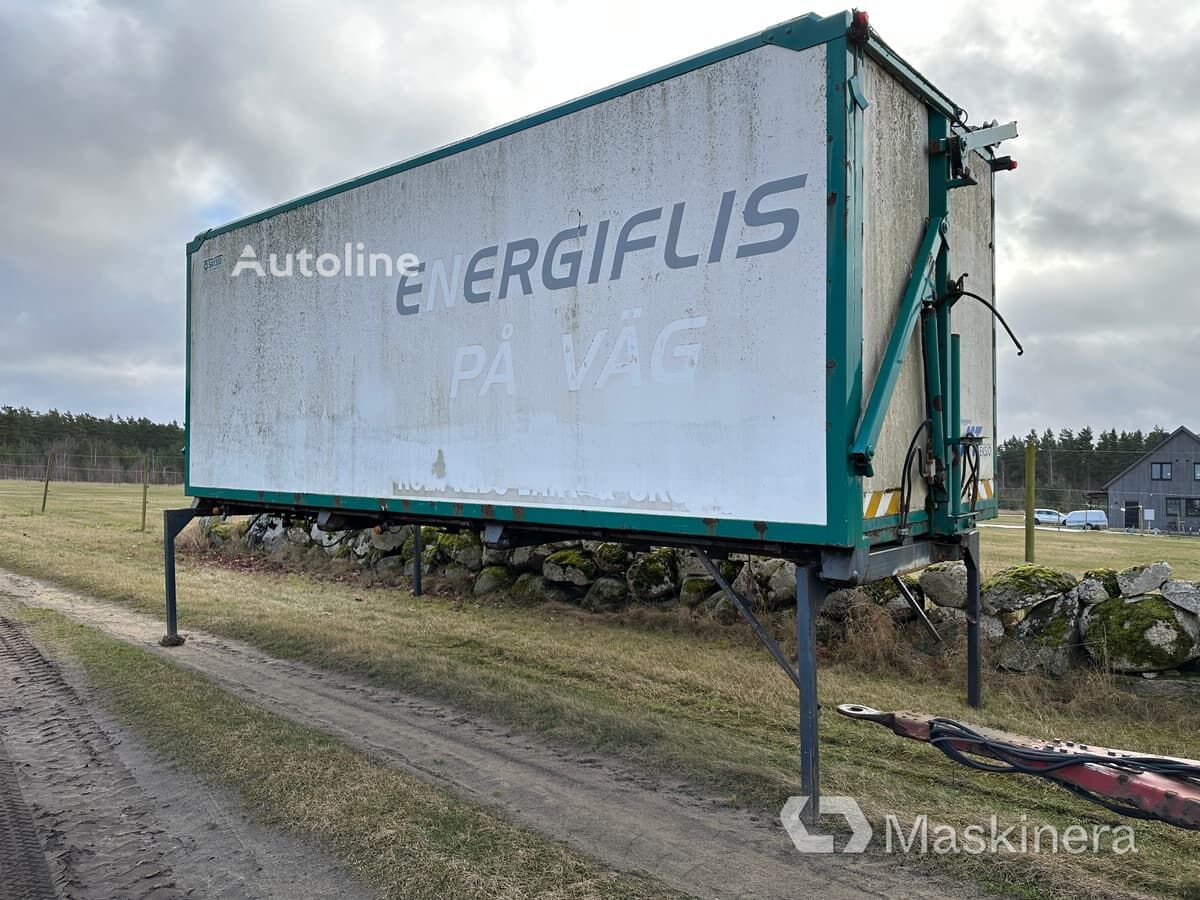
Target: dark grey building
x=1165 y=480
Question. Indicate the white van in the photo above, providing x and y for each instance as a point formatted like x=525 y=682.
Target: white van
x=1086 y=519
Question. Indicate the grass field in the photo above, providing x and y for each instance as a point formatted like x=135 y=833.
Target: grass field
x=663 y=690
x=1078 y=551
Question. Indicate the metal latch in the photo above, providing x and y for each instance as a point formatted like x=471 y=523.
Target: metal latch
x=958 y=146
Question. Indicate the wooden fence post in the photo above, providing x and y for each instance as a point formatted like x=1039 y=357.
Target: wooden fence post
x=1030 y=500
x=46 y=486
x=145 y=488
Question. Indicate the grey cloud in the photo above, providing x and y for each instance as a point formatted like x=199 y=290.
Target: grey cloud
x=130 y=127
x=1097 y=229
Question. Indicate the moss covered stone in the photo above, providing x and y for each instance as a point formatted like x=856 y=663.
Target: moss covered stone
x=492 y=579
x=464 y=548
x=1138 y=580
x=606 y=595
x=1147 y=634
x=1107 y=577
x=569 y=567
x=694 y=590
x=429 y=538
x=1045 y=640
x=533 y=589
x=651 y=577
x=1021 y=586
x=612 y=559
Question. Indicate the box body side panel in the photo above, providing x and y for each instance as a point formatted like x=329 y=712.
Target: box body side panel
x=895 y=209
x=896 y=204
x=621 y=316
x=972 y=250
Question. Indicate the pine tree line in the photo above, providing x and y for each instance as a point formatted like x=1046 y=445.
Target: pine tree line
x=83 y=447
x=1070 y=466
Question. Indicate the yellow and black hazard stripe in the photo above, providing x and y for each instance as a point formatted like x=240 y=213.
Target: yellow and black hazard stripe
x=877 y=504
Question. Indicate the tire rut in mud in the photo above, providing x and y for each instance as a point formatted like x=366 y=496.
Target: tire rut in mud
x=97 y=837
x=23 y=870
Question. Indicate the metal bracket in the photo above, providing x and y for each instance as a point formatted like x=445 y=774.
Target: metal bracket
x=959 y=147
x=856 y=91
x=920 y=288
x=502 y=537
x=967 y=141
x=862 y=566
x=744 y=608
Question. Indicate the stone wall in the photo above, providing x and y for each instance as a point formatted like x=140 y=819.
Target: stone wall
x=1140 y=620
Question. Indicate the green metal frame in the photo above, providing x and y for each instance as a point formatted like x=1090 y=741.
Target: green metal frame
x=844 y=526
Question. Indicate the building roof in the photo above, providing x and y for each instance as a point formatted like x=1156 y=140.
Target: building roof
x=1182 y=429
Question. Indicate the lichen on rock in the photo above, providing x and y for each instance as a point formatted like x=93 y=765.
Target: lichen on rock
x=651 y=577
x=569 y=567
x=1022 y=586
x=492 y=579
x=1138 y=580
x=1142 y=634
x=1045 y=640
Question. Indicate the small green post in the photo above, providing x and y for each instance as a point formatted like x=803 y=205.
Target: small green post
x=46 y=486
x=145 y=488
x=1030 y=477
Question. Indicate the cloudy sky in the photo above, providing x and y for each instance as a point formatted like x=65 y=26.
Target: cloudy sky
x=129 y=127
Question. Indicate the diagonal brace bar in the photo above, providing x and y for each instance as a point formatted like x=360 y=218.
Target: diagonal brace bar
x=744 y=608
x=920 y=286
x=915 y=607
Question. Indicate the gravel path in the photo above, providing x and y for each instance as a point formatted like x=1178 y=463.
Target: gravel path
x=87 y=812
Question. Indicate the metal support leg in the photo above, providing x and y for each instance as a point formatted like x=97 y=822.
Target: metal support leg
x=971 y=558
x=174 y=521
x=417 y=548
x=810 y=594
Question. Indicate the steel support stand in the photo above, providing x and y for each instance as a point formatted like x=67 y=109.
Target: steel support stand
x=810 y=594
x=971 y=559
x=174 y=521
x=416 y=583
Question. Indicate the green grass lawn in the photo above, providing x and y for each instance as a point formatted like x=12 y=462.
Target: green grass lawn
x=664 y=690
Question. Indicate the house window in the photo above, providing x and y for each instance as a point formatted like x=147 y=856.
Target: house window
x=1193 y=506
x=1173 y=506
x=1160 y=471
x=1196 y=471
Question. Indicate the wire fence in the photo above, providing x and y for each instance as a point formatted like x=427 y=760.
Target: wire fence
x=149 y=468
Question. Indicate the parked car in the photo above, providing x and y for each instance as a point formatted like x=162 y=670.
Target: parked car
x=1048 y=517
x=1086 y=519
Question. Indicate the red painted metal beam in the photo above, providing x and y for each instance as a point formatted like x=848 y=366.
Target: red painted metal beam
x=1168 y=798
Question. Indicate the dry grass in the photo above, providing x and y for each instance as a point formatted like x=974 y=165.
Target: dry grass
x=700 y=701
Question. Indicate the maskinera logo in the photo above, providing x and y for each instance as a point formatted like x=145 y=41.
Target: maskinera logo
x=807 y=842
x=921 y=837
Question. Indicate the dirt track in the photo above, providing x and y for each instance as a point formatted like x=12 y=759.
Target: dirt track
x=598 y=806
x=87 y=812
